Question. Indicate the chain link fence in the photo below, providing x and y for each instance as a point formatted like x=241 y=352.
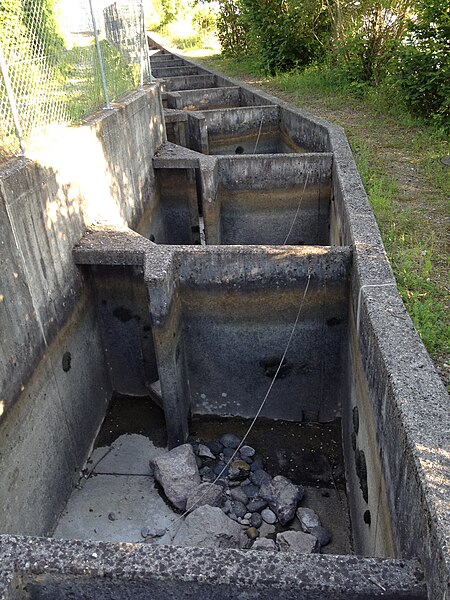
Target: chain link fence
x=63 y=59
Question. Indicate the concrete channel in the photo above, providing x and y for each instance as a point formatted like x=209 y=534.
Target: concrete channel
x=166 y=248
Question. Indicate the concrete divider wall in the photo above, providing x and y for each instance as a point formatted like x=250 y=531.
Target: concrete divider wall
x=242 y=120
x=51 y=360
x=204 y=98
x=220 y=317
x=272 y=199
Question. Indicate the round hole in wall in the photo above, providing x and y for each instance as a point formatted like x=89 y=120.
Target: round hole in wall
x=367 y=518
x=239 y=150
x=152 y=238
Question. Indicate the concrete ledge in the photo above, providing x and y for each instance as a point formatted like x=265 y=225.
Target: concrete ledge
x=47 y=569
x=108 y=245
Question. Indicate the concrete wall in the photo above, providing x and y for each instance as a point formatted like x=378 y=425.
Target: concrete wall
x=402 y=404
x=54 y=383
x=204 y=99
x=273 y=199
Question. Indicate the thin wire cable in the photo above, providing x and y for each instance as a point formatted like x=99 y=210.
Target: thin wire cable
x=297 y=211
x=230 y=460
x=280 y=364
x=259 y=134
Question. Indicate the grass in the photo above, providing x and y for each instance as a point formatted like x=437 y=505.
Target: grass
x=81 y=81
x=417 y=254
x=398 y=158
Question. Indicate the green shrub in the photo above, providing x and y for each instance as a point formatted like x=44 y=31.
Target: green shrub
x=231 y=29
x=424 y=62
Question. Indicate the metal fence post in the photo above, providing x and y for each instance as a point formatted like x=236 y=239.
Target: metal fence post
x=144 y=34
x=12 y=100
x=99 y=53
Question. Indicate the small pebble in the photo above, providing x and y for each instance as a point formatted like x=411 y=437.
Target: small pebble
x=251 y=490
x=322 y=535
x=264 y=544
x=259 y=477
x=215 y=447
x=256 y=520
x=252 y=533
x=238 y=494
x=257 y=464
x=218 y=468
x=247 y=451
x=228 y=440
x=228 y=452
x=205 y=452
x=112 y=516
x=248 y=515
x=239 y=508
x=268 y=516
x=256 y=505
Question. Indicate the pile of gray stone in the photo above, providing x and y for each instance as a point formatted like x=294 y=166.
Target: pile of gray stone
x=237 y=503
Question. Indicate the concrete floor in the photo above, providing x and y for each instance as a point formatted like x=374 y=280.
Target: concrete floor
x=118 y=498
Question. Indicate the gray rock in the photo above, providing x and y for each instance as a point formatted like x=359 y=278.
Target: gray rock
x=238 y=493
x=322 y=535
x=251 y=490
x=245 y=481
x=256 y=520
x=229 y=440
x=308 y=519
x=282 y=496
x=244 y=541
x=268 y=516
x=207 y=474
x=226 y=507
x=228 y=453
x=233 y=483
x=260 y=477
x=297 y=541
x=205 y=493
x=238 y=508
x=208 y=527
x=256 y=505
x=178 y=474
x=257 y=464
x=215 y=447
x=218 y=468
x=264 y=544
x=148 y=532
x=247 y=451
x=205 y=452
x=223 y=483
x=266 y=529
